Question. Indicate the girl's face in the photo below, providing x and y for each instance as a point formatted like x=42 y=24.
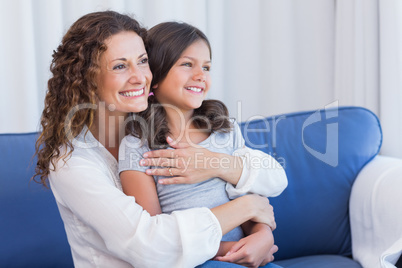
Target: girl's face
x=125 y=77
x=188 y=81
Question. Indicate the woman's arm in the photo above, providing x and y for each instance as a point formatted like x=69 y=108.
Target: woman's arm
x=248 y=207
x=143 y=188
x=84 y=189
x=261 y=174
x=246 y=171
x=192 y=165
x=207 y=164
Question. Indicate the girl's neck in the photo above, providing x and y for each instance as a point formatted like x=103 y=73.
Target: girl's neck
x=178 y=121
x=182 y=128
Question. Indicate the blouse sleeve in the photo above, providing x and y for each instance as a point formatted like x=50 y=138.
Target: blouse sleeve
x=261 y=174
x=184 y=238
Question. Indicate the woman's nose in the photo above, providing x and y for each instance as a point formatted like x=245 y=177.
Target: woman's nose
x=136 y=75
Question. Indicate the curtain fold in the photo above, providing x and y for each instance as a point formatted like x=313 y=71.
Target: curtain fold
x=357 y=53
x=269 y=57
x=390 y=12
x=19 y=101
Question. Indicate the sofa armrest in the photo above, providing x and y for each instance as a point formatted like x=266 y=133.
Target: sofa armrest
x=376 y=213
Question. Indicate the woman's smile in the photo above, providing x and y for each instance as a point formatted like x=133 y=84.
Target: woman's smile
x=133 y=93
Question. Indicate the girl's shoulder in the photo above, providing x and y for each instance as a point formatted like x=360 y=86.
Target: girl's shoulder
x=133 y=142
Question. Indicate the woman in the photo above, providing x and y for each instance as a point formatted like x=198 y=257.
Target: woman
x=100 y=74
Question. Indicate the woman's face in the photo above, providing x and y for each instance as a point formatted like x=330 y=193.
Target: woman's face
x=188 y=81
x=125 y=77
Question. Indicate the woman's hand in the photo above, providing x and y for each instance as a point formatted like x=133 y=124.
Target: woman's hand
x=264 y=211
x=254 y=250
x=248 y=207
x=187 y=165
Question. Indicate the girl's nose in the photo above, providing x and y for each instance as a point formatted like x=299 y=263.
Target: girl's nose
x=199 y=74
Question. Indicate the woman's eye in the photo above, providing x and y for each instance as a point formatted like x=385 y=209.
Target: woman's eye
x=207 y=68
x=144 y=60
x=188 y=64
x=119 y=67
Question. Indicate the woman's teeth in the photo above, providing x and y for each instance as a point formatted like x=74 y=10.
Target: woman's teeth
x=132 y=93
x=195 y=89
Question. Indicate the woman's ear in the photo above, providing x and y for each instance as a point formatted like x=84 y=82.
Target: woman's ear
x=155 y=86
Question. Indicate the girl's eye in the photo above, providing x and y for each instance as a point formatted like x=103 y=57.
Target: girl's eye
x=188 y=64
x=119 y=67
x=207 y=68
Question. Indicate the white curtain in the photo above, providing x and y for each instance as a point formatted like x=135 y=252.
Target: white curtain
x=390 y=93
x=368 y=63
x=269 y=56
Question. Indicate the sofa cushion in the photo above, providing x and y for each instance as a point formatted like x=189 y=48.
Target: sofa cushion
x=221 y=264
x=32 y=232
x=321 y=261
x=322 y=153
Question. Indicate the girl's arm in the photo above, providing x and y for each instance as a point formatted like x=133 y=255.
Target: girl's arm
x=254 y=250
x=257 y=248
x=143 y=188
x=133 y=179
x=224 y=248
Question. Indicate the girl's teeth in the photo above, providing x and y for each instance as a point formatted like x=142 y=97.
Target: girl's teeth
x=195 y=89
x=132 y=93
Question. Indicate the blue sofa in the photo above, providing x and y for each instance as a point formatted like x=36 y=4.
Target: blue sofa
x=323 y=152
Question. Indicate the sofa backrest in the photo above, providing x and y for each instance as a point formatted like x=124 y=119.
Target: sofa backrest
x=322 y=153
x=31 y=230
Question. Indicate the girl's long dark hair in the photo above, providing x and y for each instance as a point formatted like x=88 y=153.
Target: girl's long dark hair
x=165 y=43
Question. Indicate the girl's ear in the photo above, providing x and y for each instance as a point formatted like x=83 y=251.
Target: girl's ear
x=155 y=86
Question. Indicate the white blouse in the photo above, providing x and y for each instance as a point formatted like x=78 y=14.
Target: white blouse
x=106 y=228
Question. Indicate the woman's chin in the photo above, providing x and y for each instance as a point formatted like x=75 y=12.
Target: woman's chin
x=139 y=107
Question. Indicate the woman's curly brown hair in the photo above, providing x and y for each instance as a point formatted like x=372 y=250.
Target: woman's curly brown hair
x=72 y=87
x=165 y=43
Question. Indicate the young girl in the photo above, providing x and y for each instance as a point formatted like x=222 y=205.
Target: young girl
x=180 y=60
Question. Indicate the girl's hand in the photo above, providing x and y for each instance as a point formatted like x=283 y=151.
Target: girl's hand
x=254 y=250
x=245 y=253
x=187 y=165
x=224 y=248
